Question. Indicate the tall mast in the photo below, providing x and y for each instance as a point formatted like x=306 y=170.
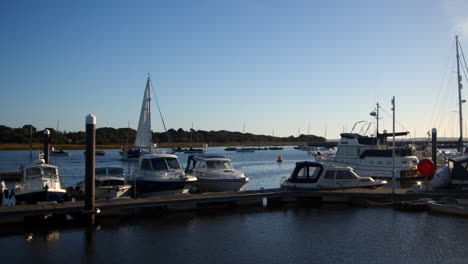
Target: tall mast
x=460 y=101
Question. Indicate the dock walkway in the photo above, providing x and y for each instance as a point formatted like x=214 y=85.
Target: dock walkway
x=196 y=201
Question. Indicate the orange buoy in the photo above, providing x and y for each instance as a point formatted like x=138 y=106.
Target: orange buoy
x=279 y=159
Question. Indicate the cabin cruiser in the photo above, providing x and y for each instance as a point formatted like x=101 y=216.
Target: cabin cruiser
x=369 y=156
x=40 y=183
x=453 y=175
x=215 y=173
x=110 y=183
x=312 y=175
x=160 y=174
x=58 y=152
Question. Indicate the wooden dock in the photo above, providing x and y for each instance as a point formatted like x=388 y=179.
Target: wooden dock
x=121 y=207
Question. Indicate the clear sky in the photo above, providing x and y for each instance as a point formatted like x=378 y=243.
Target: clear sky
x=217 y=64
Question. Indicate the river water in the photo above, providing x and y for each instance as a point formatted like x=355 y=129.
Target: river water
x=290 y=234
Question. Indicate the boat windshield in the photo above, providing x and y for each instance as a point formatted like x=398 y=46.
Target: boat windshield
x=33 y=172
x=50 y=173
x=172 y=163
x=218 y=164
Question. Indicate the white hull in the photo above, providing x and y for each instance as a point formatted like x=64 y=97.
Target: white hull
x=382 y=172
x=110 y=192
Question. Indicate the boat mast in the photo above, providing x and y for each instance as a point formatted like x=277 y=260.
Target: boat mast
x=460 y=101
x=393 y=148
x=149 y=113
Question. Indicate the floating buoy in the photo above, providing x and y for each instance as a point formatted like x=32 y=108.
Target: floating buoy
x=279 y=159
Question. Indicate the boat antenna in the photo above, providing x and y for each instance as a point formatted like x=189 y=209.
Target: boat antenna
x=460 y=101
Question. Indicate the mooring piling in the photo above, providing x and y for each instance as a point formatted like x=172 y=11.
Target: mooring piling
x=434 y=147
x=46 y=146
x=90 y=165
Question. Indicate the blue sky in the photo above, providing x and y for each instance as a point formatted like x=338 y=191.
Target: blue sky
x=282 y=65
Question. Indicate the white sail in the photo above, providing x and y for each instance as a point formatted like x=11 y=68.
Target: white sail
x=143 y=137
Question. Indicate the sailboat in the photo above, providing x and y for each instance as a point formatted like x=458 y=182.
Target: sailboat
x=143 y=144
x=157 y=173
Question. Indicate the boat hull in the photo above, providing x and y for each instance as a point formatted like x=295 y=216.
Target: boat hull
x=148 y=188
x=449 y=208
x=317 y=187
x=221 y=185
x=112 y=192
x=40 y=196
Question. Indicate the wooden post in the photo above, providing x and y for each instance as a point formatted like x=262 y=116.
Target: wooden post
x=46 y=146
x=434 y=147
x=90 y=165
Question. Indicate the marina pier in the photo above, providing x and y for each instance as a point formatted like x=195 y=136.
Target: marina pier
x=194 y=202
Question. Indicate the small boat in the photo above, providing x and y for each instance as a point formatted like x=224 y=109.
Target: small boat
x=110 y=183
x=230 y=149
x=160 y=174
x=453 y=208
x=311 y=175
x=98 y=153
x=58 y=152
x=40 y=183
x=215 y=173
x=245 y=150
x=193 y=150
x=275 y=148
x=411 y=206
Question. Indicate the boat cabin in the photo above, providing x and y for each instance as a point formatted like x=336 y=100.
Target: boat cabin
x=214 y=162
x=458 y=170
x=155 y=162
x=306 y=172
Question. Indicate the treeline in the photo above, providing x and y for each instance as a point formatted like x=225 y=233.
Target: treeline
x=126 y=136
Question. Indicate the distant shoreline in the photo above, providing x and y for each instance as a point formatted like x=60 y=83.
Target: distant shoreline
x=40 y=146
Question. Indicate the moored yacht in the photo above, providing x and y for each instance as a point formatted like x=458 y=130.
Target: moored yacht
x=160 y=174
x=311 y=175
x=370 y=158
x=40 y=183
x=215 y=173
x=111 y=183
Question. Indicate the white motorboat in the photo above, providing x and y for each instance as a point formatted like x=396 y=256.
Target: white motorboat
x=370 y=155
x=215 y=174
x=161 y=174
x=311 y=175
x=111 y=183
x=40 y=183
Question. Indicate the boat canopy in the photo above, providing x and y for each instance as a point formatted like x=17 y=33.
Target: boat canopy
x=192 y=160
x=306 y=172
x=458 y=168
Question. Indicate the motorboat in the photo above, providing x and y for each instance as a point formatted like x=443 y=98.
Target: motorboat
x=312 y=175
x=230 y=149
x=275 y=148
x=58 y=152
x=110 y=183
x=193 y=150
x=160 y=174
x=40 y=183
x=246 y=150
x=215 y=173
x=453 y=175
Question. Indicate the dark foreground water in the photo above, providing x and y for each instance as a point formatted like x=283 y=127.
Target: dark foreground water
x=289 y=235
x=328 y=234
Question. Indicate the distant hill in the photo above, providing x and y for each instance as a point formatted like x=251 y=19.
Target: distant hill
x=126 y=136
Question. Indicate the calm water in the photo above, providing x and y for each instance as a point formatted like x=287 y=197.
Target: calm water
x=328 y=234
